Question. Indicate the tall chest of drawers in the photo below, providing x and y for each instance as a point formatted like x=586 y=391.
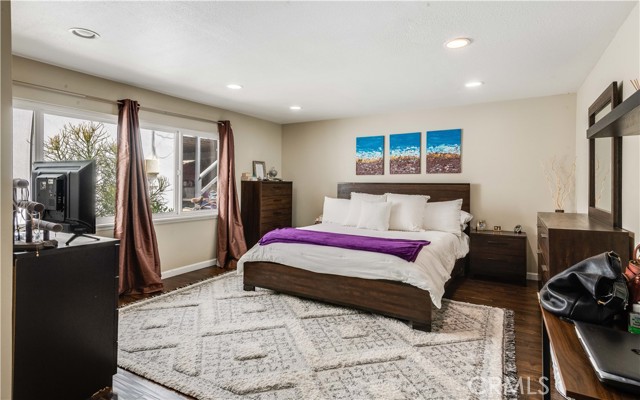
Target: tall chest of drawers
x=565 y=239
x=265 y=205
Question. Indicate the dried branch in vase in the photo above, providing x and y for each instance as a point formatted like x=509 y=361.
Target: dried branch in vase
x=560 y=180
x=635 y=83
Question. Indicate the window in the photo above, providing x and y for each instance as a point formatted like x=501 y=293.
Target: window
x=195 y=165
x=171 y=156
x=159 y=150
x=67 y=138
x=22 y=131
x=200 y=173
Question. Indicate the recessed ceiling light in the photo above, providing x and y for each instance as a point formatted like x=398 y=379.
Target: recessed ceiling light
x=234 y=86
x=474 y=84
x=458 y=43
x=84 y=33
x=295 y=108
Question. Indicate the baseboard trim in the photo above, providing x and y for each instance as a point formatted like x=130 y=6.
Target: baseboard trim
x=188 y=268
x=532 y=276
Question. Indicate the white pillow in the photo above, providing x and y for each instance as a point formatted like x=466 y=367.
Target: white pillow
x=443 y=216
x=335 y=211
x=354 y=207
x=407 y=211
x=374 y=216
x=465 y=218
x=372 y=198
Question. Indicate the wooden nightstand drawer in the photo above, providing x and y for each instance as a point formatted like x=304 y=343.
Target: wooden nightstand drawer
x=499 y=255
x=497 y=243
x=501 y=270
x=507 y=258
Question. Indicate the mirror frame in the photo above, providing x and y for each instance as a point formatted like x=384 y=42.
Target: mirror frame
x=611 y=96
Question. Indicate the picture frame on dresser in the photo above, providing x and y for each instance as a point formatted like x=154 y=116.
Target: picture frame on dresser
x=259 y=169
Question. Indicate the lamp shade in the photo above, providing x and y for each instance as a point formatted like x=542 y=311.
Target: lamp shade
x=151 y=166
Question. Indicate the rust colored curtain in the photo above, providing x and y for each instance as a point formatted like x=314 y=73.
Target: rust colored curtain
x=231 y=243
x=139 y=258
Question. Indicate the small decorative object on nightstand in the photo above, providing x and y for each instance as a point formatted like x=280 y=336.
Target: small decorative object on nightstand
x=501 y=255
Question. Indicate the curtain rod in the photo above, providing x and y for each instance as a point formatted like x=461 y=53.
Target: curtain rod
x=113 y=102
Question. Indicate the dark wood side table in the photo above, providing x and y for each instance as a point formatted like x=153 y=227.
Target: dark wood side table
x=501 y=255
x=573 y=366
x=65 y=319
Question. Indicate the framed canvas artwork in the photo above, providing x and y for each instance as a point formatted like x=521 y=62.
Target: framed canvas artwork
x=370 y=155
x=404 y=153
x=444 y=151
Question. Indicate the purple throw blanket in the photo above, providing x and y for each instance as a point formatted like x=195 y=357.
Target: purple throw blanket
x=406 y=249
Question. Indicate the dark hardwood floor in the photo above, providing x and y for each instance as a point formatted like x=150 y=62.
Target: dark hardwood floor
x=522 y=300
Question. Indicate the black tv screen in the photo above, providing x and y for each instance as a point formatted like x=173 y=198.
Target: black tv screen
x=67 y=189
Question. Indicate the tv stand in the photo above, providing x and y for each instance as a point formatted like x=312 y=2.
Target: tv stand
x=77 y=235
x=65 y=320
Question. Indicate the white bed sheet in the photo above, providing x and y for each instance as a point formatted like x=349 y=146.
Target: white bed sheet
x=431 y=270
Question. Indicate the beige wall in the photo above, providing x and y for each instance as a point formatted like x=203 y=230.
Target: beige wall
x=503 y=145
x=6 y=201
x=620 y=62
x=182 y=243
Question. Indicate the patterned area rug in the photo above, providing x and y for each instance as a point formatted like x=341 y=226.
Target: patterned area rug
x=212 y=340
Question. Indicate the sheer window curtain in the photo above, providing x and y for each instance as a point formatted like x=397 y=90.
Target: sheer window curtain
x=139 y=258
x=231 y=243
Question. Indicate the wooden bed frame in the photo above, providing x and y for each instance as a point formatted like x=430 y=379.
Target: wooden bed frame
x=390 y=298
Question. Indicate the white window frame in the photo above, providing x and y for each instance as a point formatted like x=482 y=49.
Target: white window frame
x=178 y=214
x=102 y=223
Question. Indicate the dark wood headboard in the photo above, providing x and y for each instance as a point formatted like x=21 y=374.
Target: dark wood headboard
x=437 y=191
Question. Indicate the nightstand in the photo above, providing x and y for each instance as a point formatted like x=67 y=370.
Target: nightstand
x=501 y=255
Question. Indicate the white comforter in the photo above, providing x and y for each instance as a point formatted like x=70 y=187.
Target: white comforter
x=430 y=271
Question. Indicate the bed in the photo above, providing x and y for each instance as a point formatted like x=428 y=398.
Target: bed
x=387 y=297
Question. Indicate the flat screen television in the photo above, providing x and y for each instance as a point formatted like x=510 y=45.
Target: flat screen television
x=67 y=189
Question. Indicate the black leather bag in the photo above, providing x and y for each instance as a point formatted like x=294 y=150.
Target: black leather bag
x=592 y=290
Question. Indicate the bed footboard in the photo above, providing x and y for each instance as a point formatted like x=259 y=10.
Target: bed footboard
x=389 y=298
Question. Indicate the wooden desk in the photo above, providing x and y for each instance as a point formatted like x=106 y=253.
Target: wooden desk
x=573 y=366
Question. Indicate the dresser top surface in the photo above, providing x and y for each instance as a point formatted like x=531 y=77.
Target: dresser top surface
x=61 y=238
x=574 y=221
x=266 y=181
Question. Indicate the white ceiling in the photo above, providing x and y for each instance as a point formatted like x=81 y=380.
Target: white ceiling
x=335 y=59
